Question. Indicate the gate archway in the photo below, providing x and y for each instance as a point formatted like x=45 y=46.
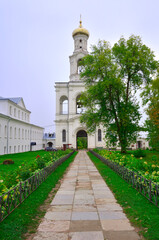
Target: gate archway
x=50 y=144
x=81 y=139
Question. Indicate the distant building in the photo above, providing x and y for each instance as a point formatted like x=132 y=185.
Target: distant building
x=17 y=134
x=140 y=143
x=49 y=140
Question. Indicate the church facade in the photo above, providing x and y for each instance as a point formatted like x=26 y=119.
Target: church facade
x=68 y=107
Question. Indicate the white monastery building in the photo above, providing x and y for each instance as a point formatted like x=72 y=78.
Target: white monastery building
x=68 y=108
x=17 y=134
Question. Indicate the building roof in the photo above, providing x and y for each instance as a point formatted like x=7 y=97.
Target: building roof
x=15 y=100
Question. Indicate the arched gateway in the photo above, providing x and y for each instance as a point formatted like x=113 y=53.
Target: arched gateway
x=81 y=139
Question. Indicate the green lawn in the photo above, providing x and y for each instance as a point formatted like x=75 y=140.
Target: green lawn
x=19 y=159
x=28 y=213
x=139 y=210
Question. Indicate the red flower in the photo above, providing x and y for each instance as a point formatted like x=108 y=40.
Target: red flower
x=110 y=153
x=37 y=156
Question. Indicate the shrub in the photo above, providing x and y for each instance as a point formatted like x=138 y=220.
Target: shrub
x=8 y=161
x=154 y=158
x=139 y=153
x=40 y=163
x=23 y=174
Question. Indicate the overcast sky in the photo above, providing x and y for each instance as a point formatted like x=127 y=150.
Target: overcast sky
x=36 y=42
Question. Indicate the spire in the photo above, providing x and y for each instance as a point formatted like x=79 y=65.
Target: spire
x=80 y=22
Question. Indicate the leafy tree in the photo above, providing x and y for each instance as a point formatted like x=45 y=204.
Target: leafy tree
x=151 y=98
x=112 y=76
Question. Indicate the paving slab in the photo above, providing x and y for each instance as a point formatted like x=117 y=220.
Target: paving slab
x=51 y=236
x=116 y=225
x=84 y=208
x=121 y=235
x=84 y=216
x=58 y=215
x=85 y=226
x=87 y=235
x=54 y=226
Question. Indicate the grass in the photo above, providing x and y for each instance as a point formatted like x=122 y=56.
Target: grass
x=138 y=209
x=28 y=213
x=19 y=159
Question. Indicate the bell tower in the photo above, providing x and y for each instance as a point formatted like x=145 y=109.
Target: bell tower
x=68 y=105
x=80 y=36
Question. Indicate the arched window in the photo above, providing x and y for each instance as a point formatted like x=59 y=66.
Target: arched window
x=99 y=135
x=63 y=105
x=63 y=135
x=79 y=68
x=79 y=107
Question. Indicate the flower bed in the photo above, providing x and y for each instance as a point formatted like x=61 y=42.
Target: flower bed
x=147 y=187
x=26 y=170
x=12 y=198
x=146 y=169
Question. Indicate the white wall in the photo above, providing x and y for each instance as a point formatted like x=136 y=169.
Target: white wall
x=16 y=136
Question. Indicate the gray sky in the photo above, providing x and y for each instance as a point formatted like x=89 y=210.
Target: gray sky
x=36 y=42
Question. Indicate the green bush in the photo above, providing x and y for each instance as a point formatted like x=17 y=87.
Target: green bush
x=139 y=153
x=154 y=158
x=41 y=163
x=24 y=174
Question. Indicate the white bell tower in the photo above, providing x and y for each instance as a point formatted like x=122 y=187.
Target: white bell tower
x=68 y=109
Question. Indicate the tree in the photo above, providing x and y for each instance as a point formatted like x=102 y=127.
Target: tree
x=151 y=98
x=112 y=76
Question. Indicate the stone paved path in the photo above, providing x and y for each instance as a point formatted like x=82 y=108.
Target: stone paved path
x=84 y=208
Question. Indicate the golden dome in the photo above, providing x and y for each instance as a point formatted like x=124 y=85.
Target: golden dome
x=80 y=30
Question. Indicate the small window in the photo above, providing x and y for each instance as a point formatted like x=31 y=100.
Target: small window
x=99 y=135
x=63 y=135
x=10 y=132
x=80 y=40
x=19 y=133
x=10 y=110
x=5 y=131
x=15 y=133
x=80 y=46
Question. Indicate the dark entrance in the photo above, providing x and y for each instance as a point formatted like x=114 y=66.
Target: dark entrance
x=81 y=139
x=139 y=144
x=50 y=144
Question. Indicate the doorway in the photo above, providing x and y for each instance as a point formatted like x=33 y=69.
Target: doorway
x=81 y=139
x=50 y=144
